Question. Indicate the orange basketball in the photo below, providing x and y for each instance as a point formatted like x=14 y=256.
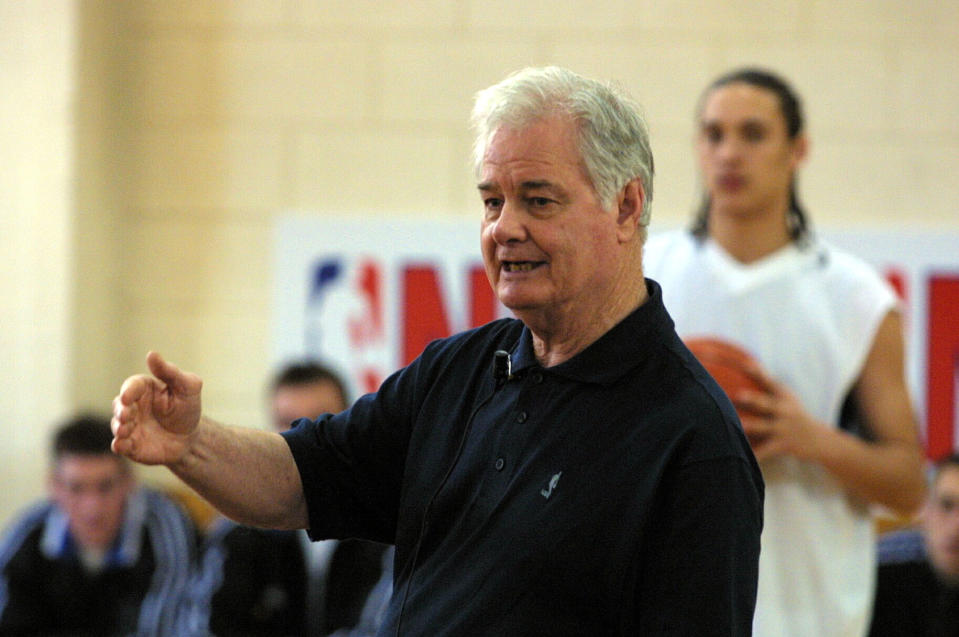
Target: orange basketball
x=725 y=362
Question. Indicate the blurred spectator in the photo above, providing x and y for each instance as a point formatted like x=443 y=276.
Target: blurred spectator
x=267 y=582
x=102 y=556
x=377 y=603
x=918 y=589
x=252 y=582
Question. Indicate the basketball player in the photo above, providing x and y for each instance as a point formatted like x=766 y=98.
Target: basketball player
x=827 y=333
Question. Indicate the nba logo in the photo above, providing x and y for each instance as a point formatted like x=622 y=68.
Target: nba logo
x=344 y=319
x=367 y=295
x=371 y=315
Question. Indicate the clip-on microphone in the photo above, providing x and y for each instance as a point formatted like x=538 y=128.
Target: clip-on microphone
x=502 y=367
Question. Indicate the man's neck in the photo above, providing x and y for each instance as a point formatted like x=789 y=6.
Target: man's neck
x=557 y=339
x=749 y=238
x=93 y=559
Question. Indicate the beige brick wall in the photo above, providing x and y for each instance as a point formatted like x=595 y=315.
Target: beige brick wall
x=36 y=226
x=200 y=121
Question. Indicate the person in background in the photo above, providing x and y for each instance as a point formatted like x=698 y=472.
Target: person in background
x=102 y=556
x=570 y=471
x=252 y=582
x=917 y=594
x=831 y=419
x=342 y=573
x=376 y=605
x=274 y=582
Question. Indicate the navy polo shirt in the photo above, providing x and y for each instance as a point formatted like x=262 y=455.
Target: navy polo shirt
x=613 y=494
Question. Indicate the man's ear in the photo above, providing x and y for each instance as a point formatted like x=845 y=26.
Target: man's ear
x=800 y=150
x=630 y=208
x=55 y=490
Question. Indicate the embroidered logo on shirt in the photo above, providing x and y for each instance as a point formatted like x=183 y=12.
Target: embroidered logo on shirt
x=552 y=485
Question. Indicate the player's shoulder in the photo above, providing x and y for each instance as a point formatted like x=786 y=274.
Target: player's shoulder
x=847 y=273
x=25 y=529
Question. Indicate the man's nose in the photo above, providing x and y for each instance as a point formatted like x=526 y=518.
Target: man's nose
x=509 y=224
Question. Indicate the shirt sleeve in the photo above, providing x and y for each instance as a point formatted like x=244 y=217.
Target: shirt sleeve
x=351 y=464
x=698 y=573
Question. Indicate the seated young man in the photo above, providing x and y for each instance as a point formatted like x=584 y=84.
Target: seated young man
x=101 y=556
x=918 y=585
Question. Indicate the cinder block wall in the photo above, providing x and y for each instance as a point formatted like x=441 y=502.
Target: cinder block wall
x=198 y=122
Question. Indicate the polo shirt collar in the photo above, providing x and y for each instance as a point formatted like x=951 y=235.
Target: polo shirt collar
x=611 y=356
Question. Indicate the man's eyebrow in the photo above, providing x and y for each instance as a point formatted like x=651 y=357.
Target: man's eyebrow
x=749 y=121
x=539 y=184
x=543 y=185
x=531 y=184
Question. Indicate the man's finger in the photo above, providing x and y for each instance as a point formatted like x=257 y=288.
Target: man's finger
x=159 y=367
x=184 y=383
x=758 y=374
x=132 y=390
x=756 y=402
x=756 y=426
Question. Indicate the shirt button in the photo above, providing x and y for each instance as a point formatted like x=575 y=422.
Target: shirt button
x=500 y=463
x=537 y=377
x=521 y=416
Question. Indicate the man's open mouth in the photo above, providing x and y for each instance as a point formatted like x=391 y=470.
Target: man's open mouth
x=520 y=266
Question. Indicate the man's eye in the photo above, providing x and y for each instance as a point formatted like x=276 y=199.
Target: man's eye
x=712 y=135
x=754 y=134
x=493 y=202
x=539 y=202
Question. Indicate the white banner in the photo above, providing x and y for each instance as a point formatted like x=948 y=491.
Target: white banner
x=366 y=295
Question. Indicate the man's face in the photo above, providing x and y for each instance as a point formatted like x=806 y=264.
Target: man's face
x=92 y=490
x=745 y=154
x=304 y=401
x=548 y=245
x=941 y=523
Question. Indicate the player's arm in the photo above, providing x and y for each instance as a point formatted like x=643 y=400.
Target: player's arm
x=701 y=556
x=887 y=468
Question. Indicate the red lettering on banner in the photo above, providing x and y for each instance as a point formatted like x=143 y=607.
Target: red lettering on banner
x=370 y=380
x=943 y=361
x=897 y=279
x=424 y=315
x=482 y=299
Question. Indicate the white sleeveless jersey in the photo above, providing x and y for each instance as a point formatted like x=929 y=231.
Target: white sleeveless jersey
x=809 y=315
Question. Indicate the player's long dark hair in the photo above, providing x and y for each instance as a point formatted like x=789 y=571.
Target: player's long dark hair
x=791 y=108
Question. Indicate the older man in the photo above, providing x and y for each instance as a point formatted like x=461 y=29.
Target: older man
x=592 y=480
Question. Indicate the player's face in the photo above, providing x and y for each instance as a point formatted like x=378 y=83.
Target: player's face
x=92 y=490
x=307 y=400
x=547 y=240
x=941 y=523
x=746 y=156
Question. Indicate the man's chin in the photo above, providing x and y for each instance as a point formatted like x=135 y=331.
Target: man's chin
x=97 y=540
x=519 y=307
x=519 y=300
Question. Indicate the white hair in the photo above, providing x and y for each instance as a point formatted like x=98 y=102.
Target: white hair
x=613 y=139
